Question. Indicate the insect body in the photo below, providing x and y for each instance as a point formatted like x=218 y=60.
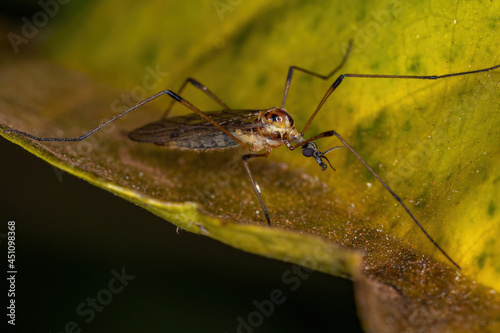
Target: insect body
x=259 y=131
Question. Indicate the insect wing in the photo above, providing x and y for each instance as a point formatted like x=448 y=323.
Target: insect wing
x=193 y=132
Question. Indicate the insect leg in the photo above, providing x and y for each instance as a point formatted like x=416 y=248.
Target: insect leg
x=339 y=80
x=104 y=124
x=398 y=199
x=123 y=113
x=254 y=184
x=323 y=77
x=198 y=85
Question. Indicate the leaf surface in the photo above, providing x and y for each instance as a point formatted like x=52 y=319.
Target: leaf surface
x=434 y=142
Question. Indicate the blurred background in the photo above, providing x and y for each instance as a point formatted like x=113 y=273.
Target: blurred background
x=70 y=235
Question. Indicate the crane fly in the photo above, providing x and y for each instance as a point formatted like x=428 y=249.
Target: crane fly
x=259 y=131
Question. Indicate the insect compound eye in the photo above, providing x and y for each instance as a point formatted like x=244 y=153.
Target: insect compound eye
x=309 y=149
x=279 y=116
x=274 y=117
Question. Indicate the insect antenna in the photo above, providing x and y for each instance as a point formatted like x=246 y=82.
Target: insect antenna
x=323 y=77
x=332 y=88
x=339 y=80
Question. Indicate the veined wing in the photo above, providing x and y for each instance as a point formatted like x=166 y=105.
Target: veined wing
x=193 y=132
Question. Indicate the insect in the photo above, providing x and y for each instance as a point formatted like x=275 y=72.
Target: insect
x=259 y=131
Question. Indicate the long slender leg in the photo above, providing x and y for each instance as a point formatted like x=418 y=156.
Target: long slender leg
x=339 y=80
x=324 y=77
x=254 y=184
x=398 y=199
x=123 y=113
x=200 y=86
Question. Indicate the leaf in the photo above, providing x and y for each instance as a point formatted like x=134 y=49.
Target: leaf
x=436 y=143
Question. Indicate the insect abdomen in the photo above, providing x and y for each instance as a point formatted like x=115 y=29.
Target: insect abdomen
x=207 y=141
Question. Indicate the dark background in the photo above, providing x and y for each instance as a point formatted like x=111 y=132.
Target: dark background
x=70 y=235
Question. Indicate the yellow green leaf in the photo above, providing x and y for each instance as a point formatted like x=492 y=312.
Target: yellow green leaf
x=434 y=142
